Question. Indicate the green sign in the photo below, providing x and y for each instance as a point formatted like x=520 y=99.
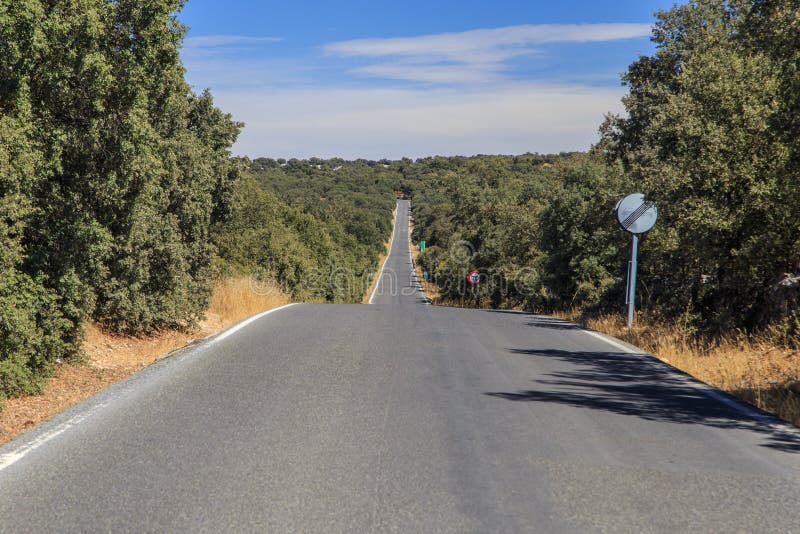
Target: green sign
x=422 y=246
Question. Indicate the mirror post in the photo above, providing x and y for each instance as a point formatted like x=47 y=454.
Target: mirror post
x=636 y=216
x=632 y=281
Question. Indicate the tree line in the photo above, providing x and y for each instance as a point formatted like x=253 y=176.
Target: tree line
x=315 y=226
x=121 y=203
x=711 y=134
x=112 y=172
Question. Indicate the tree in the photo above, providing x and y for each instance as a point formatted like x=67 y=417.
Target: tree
x=111 y=174
x=705 y=139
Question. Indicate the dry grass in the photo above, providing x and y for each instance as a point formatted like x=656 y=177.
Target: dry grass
x=750 y=367
x=235 y=299
x=431 y=289
x=109 y=358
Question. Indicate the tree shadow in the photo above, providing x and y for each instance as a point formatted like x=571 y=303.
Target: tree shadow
x=630 y=385
x=541 y=321
x=552 y=323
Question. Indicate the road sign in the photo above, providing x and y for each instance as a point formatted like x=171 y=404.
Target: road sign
x=474 y=278
x=422 y=246
x=636 y=216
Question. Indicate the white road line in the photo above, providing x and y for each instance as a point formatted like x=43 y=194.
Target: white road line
x=391 y=244
x=14 y=456
x=702 y=387
x=235 y=328
x=20 y=452
x=611 y=342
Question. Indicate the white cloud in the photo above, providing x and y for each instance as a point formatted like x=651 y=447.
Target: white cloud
x=484 y=50
x=464 y=46
x=453 y=74
x=471 y=102
x=211 y=41
x=376 y=123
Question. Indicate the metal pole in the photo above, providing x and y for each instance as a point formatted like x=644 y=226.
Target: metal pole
x=632 y=281
x=628 y=284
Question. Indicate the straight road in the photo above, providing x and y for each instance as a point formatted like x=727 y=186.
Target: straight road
x=399 y=416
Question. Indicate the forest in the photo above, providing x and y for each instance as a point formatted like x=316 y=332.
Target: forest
x=122 y=203
x=711 y=135
x=316 y=227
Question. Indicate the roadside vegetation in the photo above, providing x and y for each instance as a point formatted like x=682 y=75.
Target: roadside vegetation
x=122 y=207
x=112 y=172
x=316 y=227
x=712 y=135
x=755 y=367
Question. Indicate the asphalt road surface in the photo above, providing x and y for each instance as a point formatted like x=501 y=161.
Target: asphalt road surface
x=401 y=416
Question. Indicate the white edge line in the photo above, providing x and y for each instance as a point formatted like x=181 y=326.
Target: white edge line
x=14 y=456
x=391 y=243
x=235 y=328
x=694 y=383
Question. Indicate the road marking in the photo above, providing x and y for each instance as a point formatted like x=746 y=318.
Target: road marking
x=694 y=383
x=10 y=458
x=611 y=342
x=20 y=452
x=391 y=244
x=235 y=328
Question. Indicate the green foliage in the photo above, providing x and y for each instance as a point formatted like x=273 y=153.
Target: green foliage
x=585 y=249
x=711 y=136
x=539 y=228
x=31 y=334
x=111 y=174
x=316 y=226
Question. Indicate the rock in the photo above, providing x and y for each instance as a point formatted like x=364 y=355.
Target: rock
x=783 y=299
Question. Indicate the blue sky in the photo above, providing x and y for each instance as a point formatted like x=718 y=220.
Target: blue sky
x=391 y=79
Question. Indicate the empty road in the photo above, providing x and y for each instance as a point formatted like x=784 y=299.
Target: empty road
x=401 y=416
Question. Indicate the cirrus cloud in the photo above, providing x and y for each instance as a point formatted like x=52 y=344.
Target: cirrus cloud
x=461 y=45
x=376 y=123
x=471 y=93
x=211 y=41
x=435 y=58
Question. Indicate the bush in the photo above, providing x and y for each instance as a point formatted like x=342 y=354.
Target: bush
x=33 y=334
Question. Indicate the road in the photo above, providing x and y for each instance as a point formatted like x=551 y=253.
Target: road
x=400 y=416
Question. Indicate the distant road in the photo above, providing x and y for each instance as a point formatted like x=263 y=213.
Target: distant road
x=399 y=416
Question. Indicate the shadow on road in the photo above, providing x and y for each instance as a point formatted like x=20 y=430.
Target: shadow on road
x=625 y=384
x=541 y=321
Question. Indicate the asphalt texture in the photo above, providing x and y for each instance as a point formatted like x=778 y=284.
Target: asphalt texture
x=401 y=416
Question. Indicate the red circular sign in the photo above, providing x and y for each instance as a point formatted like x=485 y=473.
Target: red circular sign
x=474 y=278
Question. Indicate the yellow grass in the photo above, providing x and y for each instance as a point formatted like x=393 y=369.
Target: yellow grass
x=431 y=289
x=235 y=299
x=750 y=367
x=109 y=358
